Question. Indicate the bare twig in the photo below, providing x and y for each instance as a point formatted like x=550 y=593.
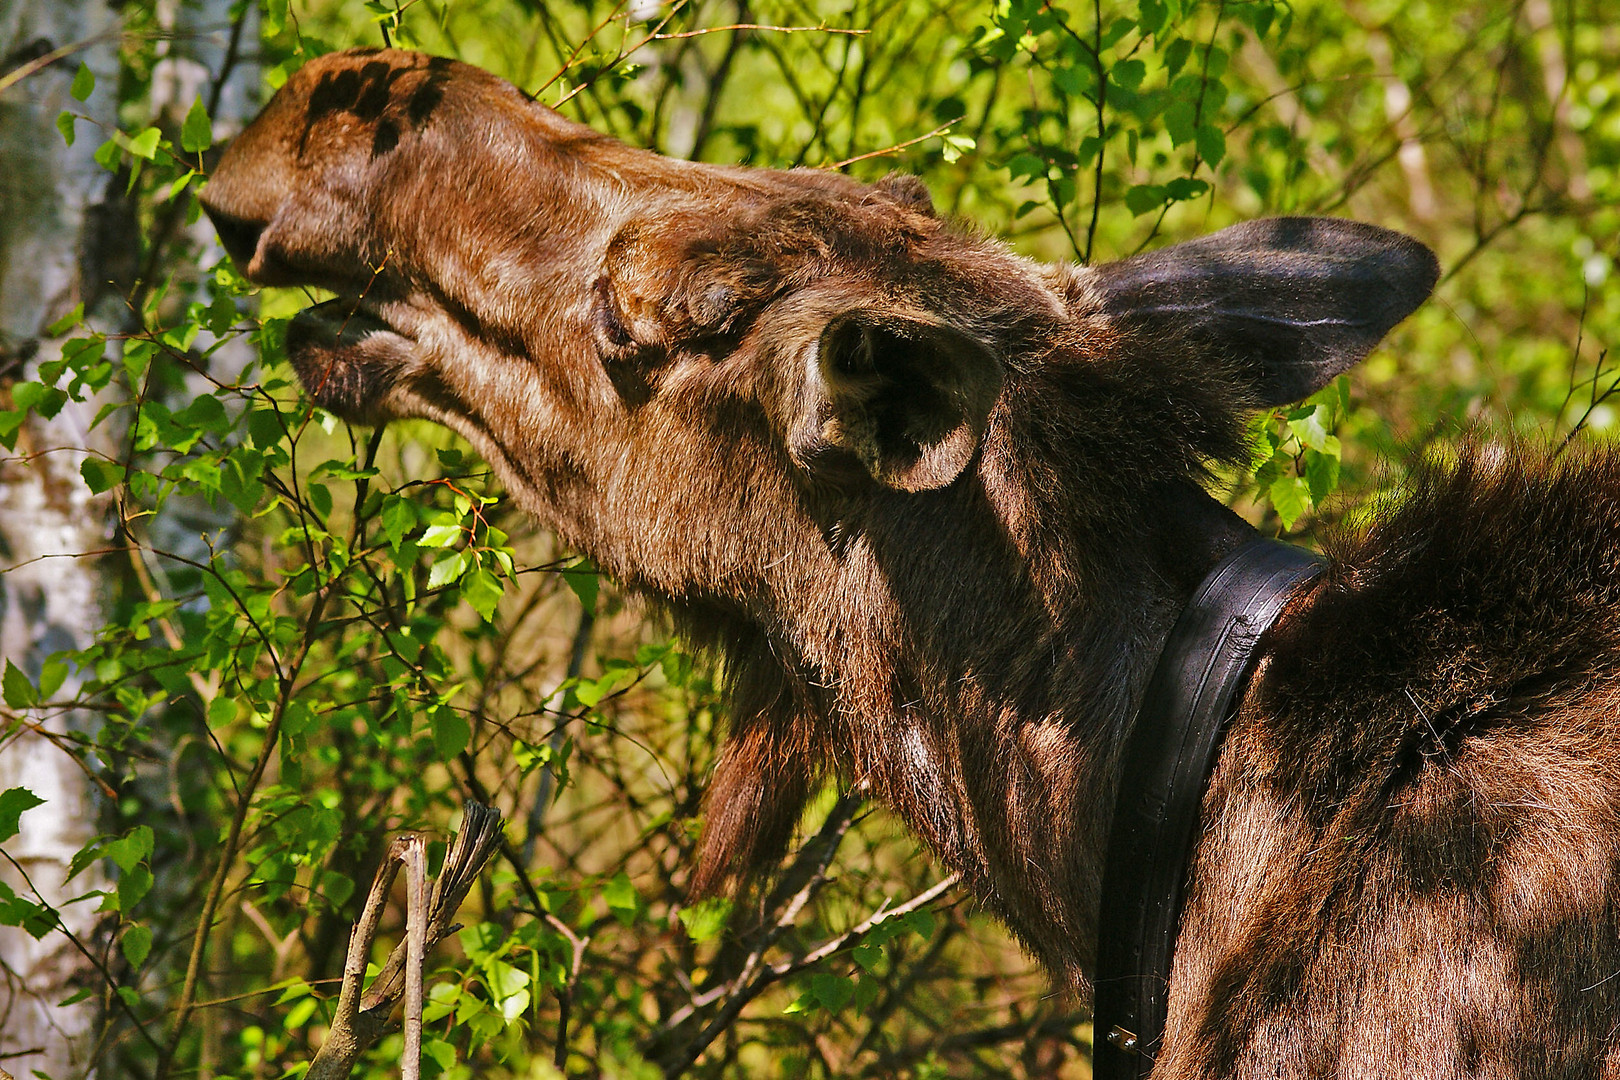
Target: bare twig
x=853 y=936
x=38 y=63
x=362 y=1018
x=946 y=126
x=415 y=860
x=822 y=29
x=806 y=877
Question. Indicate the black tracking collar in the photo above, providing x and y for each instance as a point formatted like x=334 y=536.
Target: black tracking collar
x=1168 y=760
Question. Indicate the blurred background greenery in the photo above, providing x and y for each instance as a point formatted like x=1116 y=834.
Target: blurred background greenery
x=314 y=637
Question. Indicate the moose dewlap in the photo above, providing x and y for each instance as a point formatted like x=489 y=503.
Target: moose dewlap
x=939 y=506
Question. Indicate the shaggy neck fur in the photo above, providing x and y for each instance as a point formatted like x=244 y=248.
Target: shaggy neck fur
x=989 y=708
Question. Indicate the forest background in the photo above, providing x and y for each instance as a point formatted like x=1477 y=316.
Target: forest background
x=245 y=645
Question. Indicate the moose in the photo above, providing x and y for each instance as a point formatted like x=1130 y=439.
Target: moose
x=940 y=507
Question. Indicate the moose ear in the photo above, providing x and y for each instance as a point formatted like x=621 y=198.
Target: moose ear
x=906 y=397
x=1292 y=301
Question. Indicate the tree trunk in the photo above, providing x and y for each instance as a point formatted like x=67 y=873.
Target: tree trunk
x=54 y=213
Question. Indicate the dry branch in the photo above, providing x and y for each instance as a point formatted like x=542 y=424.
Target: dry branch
x=362 y=1018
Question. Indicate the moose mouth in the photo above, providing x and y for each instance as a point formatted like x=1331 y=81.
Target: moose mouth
x=348 y=357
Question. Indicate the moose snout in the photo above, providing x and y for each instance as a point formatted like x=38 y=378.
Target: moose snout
x=239 y=235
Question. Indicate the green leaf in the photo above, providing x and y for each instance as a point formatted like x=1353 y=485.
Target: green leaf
x=867 y=956
x=275 y=19
x=441 y=535
x=482 y=590
x=67 y=322
x=1288 y=497
x=18 y=691
x=1027 y=166
x=14 y=802
x=704 y=920
x=180 y=184
x=1184 y=187
x=591 y=692
x=398 y=519
x=954 y=146
x=221 y=711
x=37 y=919
x=1175 y=56
x=296 y=989
x=64 y=124
x=133 y=885
x=100 y=475
x=264 y=428
x=52 y=675
x=866 y=992
x=1211 y=144
x=1128 y=73
x=1308 y=426
x=336 y=888
x=442 y=1053
x=1179 y=122
x=921 y=923
x=299 y=1014
x=297 y=718
x=144 y=145
x=128 y=851
x=83 y=82
x=196 y=134
x=621 y=897
x=137 y=944
x=450 y=733
x=506 y=981
x=1076 y=79
x=206 y=412
x=1260 y=16
x=583 y=579
x=1117 y=30
x=447 y=568
x=1153 y=16
x=108 y=154
x=832 y=992
x=1144 y=198
x=1321 y=474
x=513 y=1005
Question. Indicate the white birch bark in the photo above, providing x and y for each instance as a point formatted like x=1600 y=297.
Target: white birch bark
x=49 y=600
x=53 y=254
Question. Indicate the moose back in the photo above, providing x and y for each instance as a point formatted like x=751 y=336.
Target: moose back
x=939 y=507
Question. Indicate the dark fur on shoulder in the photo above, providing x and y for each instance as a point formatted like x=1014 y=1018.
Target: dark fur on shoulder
x=1420 y=802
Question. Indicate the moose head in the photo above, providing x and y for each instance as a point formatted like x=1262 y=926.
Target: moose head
x=936 y=504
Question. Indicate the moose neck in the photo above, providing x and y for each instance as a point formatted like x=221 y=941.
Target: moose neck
x=988 y=706
x=1019 y=695
x=974 y=654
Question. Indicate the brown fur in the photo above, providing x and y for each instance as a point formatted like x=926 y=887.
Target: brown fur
x=938 y=506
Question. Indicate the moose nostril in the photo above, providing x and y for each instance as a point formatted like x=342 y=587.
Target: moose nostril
x=239 y=235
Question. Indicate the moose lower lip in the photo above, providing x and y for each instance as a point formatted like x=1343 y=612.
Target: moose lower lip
x=347 y=357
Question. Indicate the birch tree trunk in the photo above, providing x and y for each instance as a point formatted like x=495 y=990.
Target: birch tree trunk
x=56 y=250
x=67 y=237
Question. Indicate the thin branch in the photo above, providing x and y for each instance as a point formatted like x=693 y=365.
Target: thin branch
x=803 y=881
x=946 y=126
x=39 y=63
x=822 y=29
x=854 y=935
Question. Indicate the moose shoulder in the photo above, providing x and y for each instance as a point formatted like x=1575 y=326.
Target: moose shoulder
x=896 y=474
